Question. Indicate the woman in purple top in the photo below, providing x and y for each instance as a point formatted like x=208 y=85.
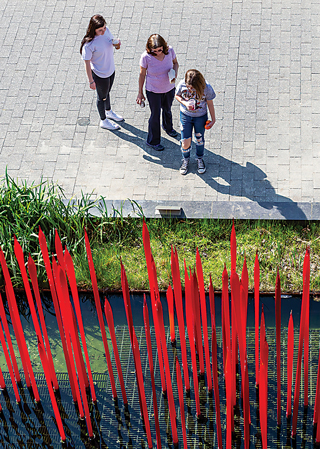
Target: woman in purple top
x=157 y=64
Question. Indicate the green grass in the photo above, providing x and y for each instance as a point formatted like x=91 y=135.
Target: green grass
x=23 y=208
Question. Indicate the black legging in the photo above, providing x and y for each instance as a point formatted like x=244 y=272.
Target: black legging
x=103 y=87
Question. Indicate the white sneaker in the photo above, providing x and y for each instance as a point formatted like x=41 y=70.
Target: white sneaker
x=106 y=124
x=113 y=116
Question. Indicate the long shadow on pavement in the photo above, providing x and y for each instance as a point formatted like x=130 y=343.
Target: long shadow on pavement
x=247 y=181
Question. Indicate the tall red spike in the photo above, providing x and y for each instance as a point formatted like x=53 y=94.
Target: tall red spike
x=69 y=267
x=179 y=308
x=204 y=319
x=18 y=330
x=69 y=323
x=141 y=387
x=172 y=409
x=278 y=344
x=229 y=405
x=225 y=317
x=34 y=280
x=290 y=351
x=21 y=263
x=189 y=317
x=150 y=358
x=109 y=316
x=180 y=392
x=46 y=260
x=216 y=383
x=197 y=320
x=170 y=302
x=71 y=369
x=263 y=391
x=233 y=248
x=306 y=292
x=256 y=313
x=99 y=312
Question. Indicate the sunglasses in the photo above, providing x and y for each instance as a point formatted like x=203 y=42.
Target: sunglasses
x=155 y=52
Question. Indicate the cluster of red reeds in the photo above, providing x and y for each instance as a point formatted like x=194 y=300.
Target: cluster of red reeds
x=62 y=282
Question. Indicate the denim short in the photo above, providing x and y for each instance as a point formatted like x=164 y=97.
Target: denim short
x=187 y=124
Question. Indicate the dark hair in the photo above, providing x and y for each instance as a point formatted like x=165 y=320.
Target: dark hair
x=195 y=79
x=155 y=41
x=96 y=22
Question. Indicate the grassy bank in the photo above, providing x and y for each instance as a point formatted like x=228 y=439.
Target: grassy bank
x=23 y=208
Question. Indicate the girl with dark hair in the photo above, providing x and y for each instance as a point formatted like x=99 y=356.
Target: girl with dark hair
x=159 y=69
x=97 y=52
x=194 y=95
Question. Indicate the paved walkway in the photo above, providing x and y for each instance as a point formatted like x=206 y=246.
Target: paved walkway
x=262 y=57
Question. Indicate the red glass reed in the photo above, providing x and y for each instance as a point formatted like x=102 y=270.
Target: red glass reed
x=9 y=341
x=74 y=291
x=46 y=370
x=65 y=325
x=246 y=407
x=70 y=324
x=17 y=326
x=9 y=366
x=197 y=319
x=215 y=381
x=154 y=293
x=59 y=250
x=229 y=405
x=179 y=308
x=109 y=316
x=306 y=292
x=233 y=248
x=141 y=387
x=172 y=409
x=256 y=314
x=45 y=255
x=20 y=258
x=278 y=344
x=99 y=312
x=212 y=303
x=303 y=320
x=290 y=351
x=34 y=280
x=189 y=316
x=244 y=295
x=263 y=390
x=225 y=317
x=204 y=319
x=150 y=358
x=181 y=402
x=170 y=302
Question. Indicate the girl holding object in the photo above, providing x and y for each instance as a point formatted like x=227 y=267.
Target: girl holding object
x=159 y=69
x=97 y=52
x=195 y=95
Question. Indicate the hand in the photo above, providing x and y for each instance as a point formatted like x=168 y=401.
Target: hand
x=188 y=106
x=117 y=46
x=210 y=125
x=92 y=86
x=140 y=97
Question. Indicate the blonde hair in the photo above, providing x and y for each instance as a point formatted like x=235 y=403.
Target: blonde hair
x=195 y=79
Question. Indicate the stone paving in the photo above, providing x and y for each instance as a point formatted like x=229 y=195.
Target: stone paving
x=262 y=58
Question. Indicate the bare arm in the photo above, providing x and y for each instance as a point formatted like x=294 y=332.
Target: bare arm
x=92 y=84
x=175 y=67
x=142 y=78
x=212 y=113
x=184 y=102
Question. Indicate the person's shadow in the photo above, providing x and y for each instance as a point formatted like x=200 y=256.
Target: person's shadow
x=224 y=176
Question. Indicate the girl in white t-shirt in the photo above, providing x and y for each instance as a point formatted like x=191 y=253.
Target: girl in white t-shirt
x=97 y=52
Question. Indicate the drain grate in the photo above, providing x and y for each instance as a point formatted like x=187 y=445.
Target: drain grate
x=114 y=427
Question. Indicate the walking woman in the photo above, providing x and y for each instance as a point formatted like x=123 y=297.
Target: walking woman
x=194 y=95
x=159 y=69
x=97 y=52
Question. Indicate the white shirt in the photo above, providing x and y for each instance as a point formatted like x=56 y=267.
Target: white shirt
x=100 y=54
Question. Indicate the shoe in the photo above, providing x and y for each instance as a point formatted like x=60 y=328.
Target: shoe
x=157 y=147
x=172 y=133
x=201 y=166
x=113 y=116
x=106 y=124
x=184 y=166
